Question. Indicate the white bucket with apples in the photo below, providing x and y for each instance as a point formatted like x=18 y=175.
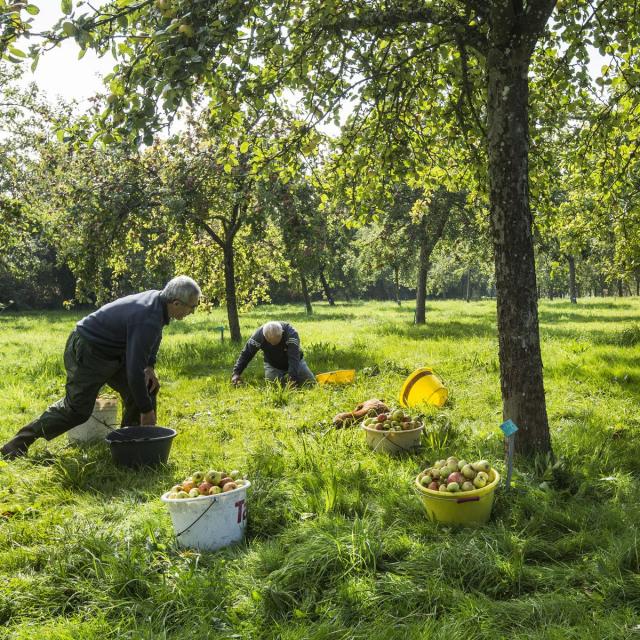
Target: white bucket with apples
x=102 y=421
x=208 y=523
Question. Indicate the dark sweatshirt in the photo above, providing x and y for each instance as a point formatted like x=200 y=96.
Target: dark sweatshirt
x=129 y=329
x=285 y=355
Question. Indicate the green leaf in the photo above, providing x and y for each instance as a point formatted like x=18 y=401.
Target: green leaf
x=32 y=9
x=69 y=28
x=227 y=168
x=66 y=6
x=244 y=147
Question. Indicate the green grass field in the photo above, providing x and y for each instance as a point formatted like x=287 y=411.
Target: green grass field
x=337 y=544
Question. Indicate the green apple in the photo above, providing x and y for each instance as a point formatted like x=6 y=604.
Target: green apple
x=461 y=463
x=186 y=30
x=425 y=481
x=452 y=487
x=213 y=477
x=468 y=472
x=397 y=415
x=467 y=486
x=176 y=488
x=197 y=477
x=214 y=490
x=479 y=481
x=443 y=488
x=173 y=495
x=182 y=495
x=234 y=474
x=481 y=465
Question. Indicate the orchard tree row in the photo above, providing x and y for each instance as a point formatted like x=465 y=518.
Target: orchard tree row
x=481 y=117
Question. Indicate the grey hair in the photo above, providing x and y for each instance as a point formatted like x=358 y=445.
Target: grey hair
x=272 y=330
x=181 y=288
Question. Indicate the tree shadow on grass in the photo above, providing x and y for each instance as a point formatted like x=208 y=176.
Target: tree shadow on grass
x=91 y=470
x=596 y=337
x=587 y=304
x=553 y=317
x=450 y=329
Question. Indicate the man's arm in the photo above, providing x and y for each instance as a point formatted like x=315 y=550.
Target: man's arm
x=252 y=346
x=141 y=339
x=292 y=340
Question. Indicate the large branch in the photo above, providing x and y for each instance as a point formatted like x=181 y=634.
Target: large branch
x=388 y=20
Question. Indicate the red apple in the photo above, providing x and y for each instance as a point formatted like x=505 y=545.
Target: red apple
x=204 y=488
x=434 y=486
x=229 y=486
x=456 y=476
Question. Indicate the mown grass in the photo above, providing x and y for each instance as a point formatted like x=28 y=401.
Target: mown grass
x=337 y=544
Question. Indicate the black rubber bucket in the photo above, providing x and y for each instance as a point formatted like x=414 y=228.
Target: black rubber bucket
x=140 y=446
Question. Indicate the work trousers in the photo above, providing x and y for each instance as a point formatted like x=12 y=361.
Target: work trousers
x=88 y=370
x=302 y=375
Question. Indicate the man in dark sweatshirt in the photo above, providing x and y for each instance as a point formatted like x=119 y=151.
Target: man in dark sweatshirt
x=116 y=345
x=283 y=358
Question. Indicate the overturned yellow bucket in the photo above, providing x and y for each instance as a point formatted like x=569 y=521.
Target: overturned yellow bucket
x=342 y=376
x=467 y=508
x=423 y=386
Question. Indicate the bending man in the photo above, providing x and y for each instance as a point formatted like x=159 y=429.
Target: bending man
x=115 y=345
x=283 y=358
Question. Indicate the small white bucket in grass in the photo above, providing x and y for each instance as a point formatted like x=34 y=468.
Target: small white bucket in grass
x=102 y=421
x=208 y=523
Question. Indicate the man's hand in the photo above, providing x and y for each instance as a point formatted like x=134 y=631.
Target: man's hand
x=151 y=380
x=236 y=380
x=148 y=419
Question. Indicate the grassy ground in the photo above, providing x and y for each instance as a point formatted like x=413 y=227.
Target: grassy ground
x=337 y=543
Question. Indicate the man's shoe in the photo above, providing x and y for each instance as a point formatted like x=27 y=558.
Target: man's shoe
x=13 y=450
x=19 y=445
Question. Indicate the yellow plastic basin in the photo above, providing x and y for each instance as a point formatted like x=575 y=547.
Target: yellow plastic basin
x=342 y=376
x=468 y=508
x=422 y=386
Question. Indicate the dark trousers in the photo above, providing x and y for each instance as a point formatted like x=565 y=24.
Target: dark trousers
x=87 y=371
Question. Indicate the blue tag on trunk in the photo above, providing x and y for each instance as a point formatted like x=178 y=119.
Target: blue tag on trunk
x=508 y=428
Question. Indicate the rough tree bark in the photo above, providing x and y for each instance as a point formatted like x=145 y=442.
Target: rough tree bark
x=510 y=47
x=230 y=292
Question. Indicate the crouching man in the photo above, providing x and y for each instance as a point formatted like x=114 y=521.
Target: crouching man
x=115 y=345
x=283 y=358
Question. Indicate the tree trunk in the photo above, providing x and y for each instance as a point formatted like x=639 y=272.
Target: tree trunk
x=521 y=381
x=230 y=292
x=468 y=287
x=620 y=291
x=326 y=288
x=305 y=294
x=573 y=292
x=638 y=285
x=423 y=272
x=396 y=285
x=431 y=229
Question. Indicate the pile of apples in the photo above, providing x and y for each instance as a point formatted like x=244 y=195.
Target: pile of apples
x=394 y=420
x=200 y=484
x=454 y=475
